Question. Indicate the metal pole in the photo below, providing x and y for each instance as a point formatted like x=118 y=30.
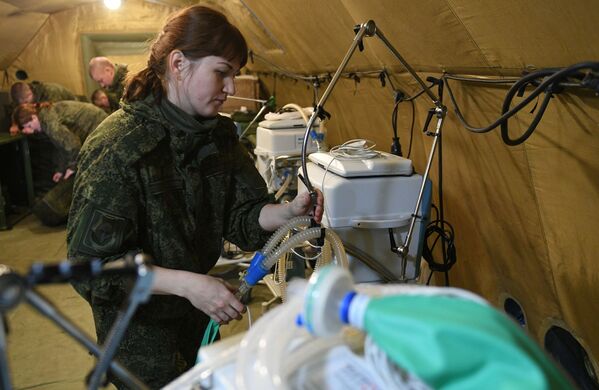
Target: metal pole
x=367 y=29
x=44 y=307
x=405 y=247
x=253 y=120
x=428 y=91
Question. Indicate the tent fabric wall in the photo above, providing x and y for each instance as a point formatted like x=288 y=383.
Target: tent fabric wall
x=54 y=54
x=525 y=216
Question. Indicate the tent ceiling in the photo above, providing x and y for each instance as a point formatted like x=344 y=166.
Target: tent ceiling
x=311 y=36
x=22 y=19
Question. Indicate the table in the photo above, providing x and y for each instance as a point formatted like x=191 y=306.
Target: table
x=20 y=145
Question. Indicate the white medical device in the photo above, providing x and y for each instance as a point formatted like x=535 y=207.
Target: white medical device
x=363 y=200
x=279 y=141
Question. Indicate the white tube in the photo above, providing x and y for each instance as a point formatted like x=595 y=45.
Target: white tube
x=244 y=366
x=275 y=345
x=304 y=353
x=298 y=109
x=284 y=187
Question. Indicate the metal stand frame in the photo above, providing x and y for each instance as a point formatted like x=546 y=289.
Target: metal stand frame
x=369 y=29
x=15 y=288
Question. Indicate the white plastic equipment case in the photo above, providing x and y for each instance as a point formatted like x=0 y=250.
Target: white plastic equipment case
x=363 y=199
x=282 y=137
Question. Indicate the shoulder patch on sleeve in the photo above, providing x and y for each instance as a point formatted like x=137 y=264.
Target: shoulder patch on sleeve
x=103 y=233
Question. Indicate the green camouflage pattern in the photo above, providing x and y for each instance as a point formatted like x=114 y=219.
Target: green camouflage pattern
x=115 y=90
x=153 y=179
x=53 y=208
x=50 y=92
x=67 y=124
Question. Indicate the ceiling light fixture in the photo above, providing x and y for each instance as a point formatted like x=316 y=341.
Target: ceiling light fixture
x=112 y=4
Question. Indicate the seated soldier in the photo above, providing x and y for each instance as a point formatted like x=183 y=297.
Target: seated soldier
x=36 y=92
x=110 y=76
x=66 y=124
x=100 y=99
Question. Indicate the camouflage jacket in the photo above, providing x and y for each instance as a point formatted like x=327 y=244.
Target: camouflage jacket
x=67 y=124
x=50 y=92
x=115 y=90
x=144 y=184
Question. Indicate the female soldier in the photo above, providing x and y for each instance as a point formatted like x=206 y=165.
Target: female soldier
x=165 y=175
x=66 y=125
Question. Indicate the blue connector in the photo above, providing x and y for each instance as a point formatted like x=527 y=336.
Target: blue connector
x=256 y=271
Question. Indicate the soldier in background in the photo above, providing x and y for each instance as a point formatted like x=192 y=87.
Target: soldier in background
x=37 y=92
x=65 y=125
x=110 y=76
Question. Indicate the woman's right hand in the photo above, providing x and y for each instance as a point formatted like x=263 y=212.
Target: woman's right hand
x=211 y=295
x=214 y=297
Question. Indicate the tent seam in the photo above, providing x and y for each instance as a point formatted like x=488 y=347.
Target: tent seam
x=451 y=8
x=542 y=225
x=30 y=40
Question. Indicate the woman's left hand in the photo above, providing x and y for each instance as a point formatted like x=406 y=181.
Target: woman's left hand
x=302 y=205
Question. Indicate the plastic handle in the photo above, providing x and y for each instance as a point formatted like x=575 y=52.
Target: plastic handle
x=403 y=220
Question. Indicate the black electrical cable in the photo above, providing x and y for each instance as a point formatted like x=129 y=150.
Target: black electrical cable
x=552 y=79
x=531 y=128
x=444 y=233
x=395 y=145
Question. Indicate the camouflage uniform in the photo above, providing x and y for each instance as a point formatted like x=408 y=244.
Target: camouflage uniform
x=66 y=124
x=50 y=92
x=115 y=90
x=152 y=178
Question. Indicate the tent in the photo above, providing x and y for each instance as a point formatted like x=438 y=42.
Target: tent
x=524 y=216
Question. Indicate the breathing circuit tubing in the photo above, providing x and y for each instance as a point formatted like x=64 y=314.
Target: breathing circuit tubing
x=277 y=246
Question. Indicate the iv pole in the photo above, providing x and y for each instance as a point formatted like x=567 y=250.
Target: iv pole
x=439 y=111
x=265 y=104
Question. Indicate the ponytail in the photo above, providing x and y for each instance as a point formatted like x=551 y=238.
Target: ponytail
x=142 y=84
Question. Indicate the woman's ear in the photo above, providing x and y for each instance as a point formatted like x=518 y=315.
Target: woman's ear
x=177 y=62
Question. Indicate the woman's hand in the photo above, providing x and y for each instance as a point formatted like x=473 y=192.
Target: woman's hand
x=211 y=295
x=302 y=205
x=214 y=297
x=273 y=216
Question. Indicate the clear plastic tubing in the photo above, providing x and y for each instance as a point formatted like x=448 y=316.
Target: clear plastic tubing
x=274 y=346
x=306 y=235
x=244 y=366
x=337 y=247
x=274 y=240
